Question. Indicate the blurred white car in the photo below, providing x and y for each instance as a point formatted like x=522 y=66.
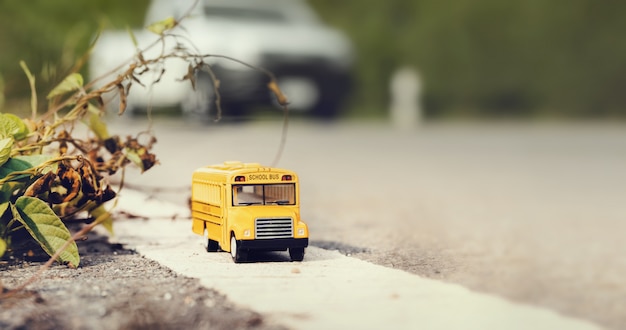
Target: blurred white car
x=312 y=62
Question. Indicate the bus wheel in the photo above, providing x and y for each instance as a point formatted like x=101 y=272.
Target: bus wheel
x=296 y=254
x=209 y=244
x=237 y=254
x=212 y=246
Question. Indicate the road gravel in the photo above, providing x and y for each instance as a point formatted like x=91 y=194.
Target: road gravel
x=116 y=288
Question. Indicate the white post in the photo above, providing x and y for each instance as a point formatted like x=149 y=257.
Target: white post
x=405 y=89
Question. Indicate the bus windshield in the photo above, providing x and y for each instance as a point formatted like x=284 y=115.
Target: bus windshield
x=264 y=194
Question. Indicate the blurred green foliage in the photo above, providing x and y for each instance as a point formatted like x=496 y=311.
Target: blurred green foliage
x=522 y=58
x=50 y=36
x=479 y=58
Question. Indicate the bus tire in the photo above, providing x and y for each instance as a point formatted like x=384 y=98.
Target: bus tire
x=212 y=246
x=296 y=254
x=209 y=244
x=237 y=253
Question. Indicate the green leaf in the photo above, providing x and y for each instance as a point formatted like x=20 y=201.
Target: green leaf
x=22 y=163
x=97 y=125
x=21 y=131
x=12 y=126
x=71 y=83
x=3 y=208
x=34 y=160
x=6 y=192
x=3 y=247
x=162 y=26
x=13 y=165
x=46 y=228
x=104 y=216
x=7 y=127
x=6 y=145
x=134 y=157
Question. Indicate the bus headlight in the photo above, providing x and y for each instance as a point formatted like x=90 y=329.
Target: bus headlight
x=246 y=233
x=300 y=231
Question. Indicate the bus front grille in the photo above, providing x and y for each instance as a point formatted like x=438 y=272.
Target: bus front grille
x=273 y=228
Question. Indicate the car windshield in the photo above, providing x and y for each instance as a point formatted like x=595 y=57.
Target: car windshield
x=246 y=14
x=264 y=11
x=264 y=194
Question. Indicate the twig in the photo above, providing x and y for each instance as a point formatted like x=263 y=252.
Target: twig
x=283 y=137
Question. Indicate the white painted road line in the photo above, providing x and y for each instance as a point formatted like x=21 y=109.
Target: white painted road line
x=327 y=290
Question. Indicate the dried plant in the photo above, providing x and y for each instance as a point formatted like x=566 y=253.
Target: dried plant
x=50 y=176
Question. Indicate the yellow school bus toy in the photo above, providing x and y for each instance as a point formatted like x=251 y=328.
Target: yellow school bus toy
x=242 y=207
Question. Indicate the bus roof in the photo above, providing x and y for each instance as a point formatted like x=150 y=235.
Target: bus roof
x=230 y=169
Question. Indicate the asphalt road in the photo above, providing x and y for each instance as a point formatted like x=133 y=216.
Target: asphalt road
x=529 y=212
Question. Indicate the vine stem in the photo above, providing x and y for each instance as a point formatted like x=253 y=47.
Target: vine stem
x=283 y=137
x=79 y=101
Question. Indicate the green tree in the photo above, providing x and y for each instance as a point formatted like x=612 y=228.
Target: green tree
x=490 y=57
x=51 y=35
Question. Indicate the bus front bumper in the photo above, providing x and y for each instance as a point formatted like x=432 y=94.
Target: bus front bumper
x=278 y=244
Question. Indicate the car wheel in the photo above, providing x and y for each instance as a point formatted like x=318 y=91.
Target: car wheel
x=296 y=254
x=234 y=112
x=326 y=110
x=236 y=252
